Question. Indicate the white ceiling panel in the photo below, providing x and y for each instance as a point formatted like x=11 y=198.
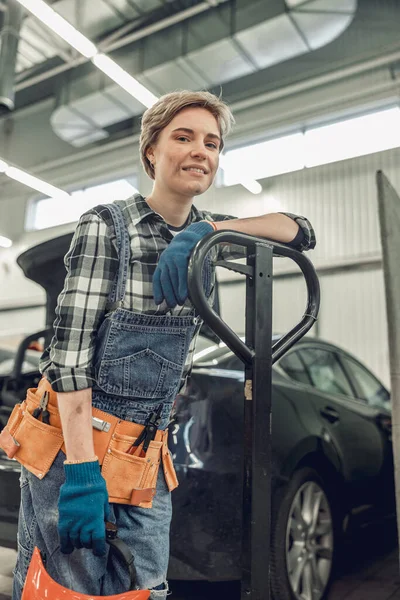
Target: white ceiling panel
x=33 y=54
x=36 y=40
x=297 y=3
x=221 y=62
x=147 y=6
x=171 y=76
x=319 y=30
x=327 y=5
x=65 y=117
x=22 y=63
x=199 y=81
x=70 y=133
x=125 y=8
x=93 y=136
x=272 y=42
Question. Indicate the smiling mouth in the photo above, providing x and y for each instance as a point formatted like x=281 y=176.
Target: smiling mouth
x=195 y=171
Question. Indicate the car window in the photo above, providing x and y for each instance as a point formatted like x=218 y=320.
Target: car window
x=325 y=371
x=372 y=391
x=294 y=368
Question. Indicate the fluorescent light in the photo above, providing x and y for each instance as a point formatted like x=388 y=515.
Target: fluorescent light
x=354 y=137
x=60 y=26
x=250 y=184
x=35 y=183
x=266 y=159
x=124 y=80
x=5 y=242
x=253 y=186
x=3 y=166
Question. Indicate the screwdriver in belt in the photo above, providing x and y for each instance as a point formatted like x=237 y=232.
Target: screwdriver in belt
x=148 y=434
x=42 y=409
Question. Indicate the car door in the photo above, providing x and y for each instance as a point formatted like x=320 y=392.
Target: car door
x=346 y=423
x=373 y=393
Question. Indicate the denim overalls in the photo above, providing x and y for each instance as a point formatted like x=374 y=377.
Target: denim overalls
x=139 y=358
x=139 y=361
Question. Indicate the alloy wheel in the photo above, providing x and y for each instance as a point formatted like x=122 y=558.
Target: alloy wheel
x=309 y=542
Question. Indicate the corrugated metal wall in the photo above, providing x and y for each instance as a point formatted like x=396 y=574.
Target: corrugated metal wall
x=341 y=201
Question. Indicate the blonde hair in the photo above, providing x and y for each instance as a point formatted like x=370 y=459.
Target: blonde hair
x=168 y=106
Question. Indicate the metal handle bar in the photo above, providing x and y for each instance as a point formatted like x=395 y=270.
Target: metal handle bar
x=223 y=330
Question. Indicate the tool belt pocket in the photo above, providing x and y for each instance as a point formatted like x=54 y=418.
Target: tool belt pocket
x=32 y=443
x=131 y=479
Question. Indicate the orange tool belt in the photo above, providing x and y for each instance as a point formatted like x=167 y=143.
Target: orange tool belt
x=130 y=478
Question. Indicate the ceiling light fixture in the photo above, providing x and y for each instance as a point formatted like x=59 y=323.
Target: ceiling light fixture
x=35 y=183
x=124 y=80
x=252 y=185
x=60 y=26
x=5 y=242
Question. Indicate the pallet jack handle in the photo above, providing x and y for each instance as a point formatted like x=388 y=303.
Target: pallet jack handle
x=258 y=355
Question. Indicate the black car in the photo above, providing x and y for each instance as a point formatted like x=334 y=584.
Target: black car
x=332 y=458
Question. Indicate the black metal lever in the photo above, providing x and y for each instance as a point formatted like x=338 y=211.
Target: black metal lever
x=226 y=334
x=258 y=355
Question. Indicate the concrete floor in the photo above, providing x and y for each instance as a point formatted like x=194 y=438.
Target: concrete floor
x=368 y=570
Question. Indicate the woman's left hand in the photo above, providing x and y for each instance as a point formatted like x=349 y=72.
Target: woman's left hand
x=170 y=276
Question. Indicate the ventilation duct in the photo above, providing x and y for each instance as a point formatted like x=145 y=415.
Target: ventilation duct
x=9 y=37
x=178 y=60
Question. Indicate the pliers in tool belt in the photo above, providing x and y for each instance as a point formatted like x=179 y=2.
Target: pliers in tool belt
x=42 y=409
x=149 y=432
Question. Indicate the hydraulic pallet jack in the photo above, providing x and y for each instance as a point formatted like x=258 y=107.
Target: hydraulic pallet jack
x=258 y=355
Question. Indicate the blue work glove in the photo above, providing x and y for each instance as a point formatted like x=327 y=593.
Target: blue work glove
x=170 y=276
x=83 y=508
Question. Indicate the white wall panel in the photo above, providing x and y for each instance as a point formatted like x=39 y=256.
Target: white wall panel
x=233 y=303
x=288 y=305
x=353 y=315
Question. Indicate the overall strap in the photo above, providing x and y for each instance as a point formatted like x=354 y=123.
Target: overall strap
x=117 y=294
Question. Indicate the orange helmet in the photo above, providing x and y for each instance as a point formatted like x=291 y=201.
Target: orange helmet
x=40 y=586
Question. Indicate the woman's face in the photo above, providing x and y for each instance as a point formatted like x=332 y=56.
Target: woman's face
x=186 y=154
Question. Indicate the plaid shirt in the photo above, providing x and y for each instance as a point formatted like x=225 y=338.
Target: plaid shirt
x=92 y=262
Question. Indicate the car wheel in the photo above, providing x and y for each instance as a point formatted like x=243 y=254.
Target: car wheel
x=302 y=539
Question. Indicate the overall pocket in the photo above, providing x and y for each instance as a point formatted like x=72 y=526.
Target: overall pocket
x=131 y=479
x=39 y=444
x=142 y=362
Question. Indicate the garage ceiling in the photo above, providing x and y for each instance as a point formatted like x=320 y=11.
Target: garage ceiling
x=248 y=46
x=93 y=18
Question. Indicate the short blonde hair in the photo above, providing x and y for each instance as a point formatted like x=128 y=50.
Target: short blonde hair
x=168 y=106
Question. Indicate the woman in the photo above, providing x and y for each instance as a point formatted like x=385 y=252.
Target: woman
x=123 y=341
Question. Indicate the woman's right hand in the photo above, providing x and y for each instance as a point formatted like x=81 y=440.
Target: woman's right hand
x=83 y=508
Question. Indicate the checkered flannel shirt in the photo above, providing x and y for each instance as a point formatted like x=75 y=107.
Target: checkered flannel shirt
x=92 y=263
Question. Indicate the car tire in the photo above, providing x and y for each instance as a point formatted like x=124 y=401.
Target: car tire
x=303 y=536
